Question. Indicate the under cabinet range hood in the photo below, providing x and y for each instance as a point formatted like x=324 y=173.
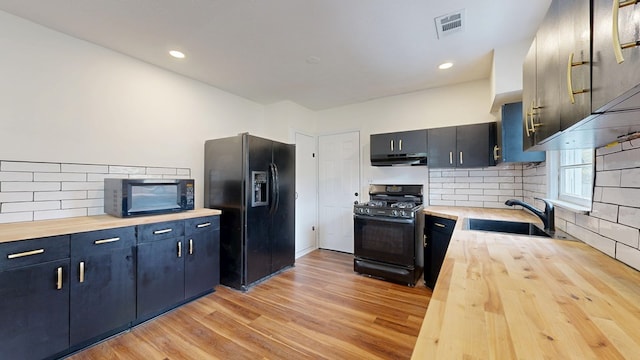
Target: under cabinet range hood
x=399 y=159
x=399 y=148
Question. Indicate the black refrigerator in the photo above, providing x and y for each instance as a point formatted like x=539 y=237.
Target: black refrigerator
x=252 y=180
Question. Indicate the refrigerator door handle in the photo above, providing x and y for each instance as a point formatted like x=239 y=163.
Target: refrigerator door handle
x=277 y=187
x=272 y=188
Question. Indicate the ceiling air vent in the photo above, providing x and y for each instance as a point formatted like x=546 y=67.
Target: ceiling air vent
x=449 y=23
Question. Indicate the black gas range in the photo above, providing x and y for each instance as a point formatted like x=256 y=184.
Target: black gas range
x=388 y=233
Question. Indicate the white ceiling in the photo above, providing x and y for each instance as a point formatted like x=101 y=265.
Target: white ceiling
x=259 y=49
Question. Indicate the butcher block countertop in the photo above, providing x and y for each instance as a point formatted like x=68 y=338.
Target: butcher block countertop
x=44 y=228
x=503 y=296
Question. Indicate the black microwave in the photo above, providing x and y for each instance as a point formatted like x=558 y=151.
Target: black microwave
x=133 y=197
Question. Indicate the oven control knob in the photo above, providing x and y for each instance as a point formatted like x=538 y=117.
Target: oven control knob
x=394 y=212
x=367 y=210
x=403 y=213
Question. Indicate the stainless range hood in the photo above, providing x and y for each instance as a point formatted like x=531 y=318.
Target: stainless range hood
x=417 y=159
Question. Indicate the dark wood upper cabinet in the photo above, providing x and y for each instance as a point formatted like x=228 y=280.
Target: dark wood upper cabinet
x=405 y=147
x=510 y=137
x=465 y=146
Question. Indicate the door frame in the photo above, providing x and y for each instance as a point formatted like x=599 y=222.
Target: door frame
x=294 y=133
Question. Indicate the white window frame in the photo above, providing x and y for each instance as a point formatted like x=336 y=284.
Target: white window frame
x=554 y=181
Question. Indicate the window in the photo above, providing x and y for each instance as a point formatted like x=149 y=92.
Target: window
x=571 y=176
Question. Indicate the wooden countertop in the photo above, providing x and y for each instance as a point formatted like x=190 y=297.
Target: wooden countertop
x=44 y=228
x=503 y=296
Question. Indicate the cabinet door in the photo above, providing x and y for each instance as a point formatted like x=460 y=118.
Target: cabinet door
x=546 y=116
x=382 y=144
x=511 y=147
x=575 y=54
x=610 y=78
x=202 y=264
x=411 y=142
x=34 y=308
x=102 y=282
x=529 y=94
x=438 y=235
x=475 y=145
x=160 y=276
x=442 y=147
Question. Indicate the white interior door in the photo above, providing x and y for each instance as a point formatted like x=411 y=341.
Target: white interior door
x=306 y=194
x=339 y=181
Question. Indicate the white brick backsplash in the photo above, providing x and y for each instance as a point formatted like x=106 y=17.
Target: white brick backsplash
x=504 y=192
x=491 y=198
x=30 y=206
x=511 y=186
x=622 y=159
x=621 y=196
x=15 y=196
x=469 y=191
x=144 y=176
x=94 y=185
x=599 y=163
x=59 y=195
x=455 y=173
x=496 y=205
x=630 y=177
x=72 y=204
x=631 y=144
x=85 y=168
x=161 y=171
x=529 y=172
x=59 y=214
x=127 y=170
x=510 y=173
x=588 y=222
x=597 y=194
x=29 y=166
x=59 y=177
x=15 y=176
x=597 y=241
x=35 y=191
x=436 y=202
x=608 y=178
x=569 y=216
x=455 y=197
x=629 y=216
x=101 y=177
x=455 y=186
x=435 y=185
x=29 y=186
x=499 y=179
x=442 y=191
x=438 y=180
x=620 y=233
x=604 y=211
x=95 y=211
x=15 y=217
x=468 y=179
x=484 y=173
x=628 y=255
x=470 y=203
x=609 y=150
x=485 y=186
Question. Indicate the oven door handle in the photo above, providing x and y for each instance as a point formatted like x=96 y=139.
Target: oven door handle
x=384 y=218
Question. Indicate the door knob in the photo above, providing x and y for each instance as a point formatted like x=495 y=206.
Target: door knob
x=356 y=194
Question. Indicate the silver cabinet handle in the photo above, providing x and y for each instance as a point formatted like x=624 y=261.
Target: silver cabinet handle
x=391 y=145
x=209 y=224
x=179 y=248
x=451 y=157
x=106 y=241
x=495 y=152
x=400 y=144
x=158 y=232
x=461 y=162
x=439 y=225
x=81 y=271
x=26 y=253
x=190 y=246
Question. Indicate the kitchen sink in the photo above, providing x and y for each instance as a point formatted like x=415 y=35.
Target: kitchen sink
x=512 y=227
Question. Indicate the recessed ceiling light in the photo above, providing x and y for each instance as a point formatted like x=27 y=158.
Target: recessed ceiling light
x=177 y=54
x=445 y=66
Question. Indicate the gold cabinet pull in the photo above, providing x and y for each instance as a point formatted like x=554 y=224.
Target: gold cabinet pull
x=495 y=152
x=570 y=65
x=439 y=225
x=615 y=31
x=164 y=231
x=451 y=157
x=533 y=113
x=179 y=248
x=190 y=246
x=106 y=241
x=26 y=253
x=81 y=271
x=59 y=281
x=203 y=225
x=526 y=122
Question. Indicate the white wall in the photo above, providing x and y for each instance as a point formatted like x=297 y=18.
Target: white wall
x=461 y=104
x=67 y=100
x=506 y=73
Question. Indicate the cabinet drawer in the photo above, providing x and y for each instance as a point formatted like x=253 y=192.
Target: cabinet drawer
x=161 y=230
x=34 y=251
x=198 y=225
x=439 y=224
x=108 y=239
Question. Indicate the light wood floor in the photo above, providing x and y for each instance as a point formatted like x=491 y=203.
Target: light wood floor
x=320 y=309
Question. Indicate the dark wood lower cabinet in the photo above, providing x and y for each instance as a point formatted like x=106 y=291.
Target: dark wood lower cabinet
x=34 y=313
x=160 y=276
x=201 y=274
x=438 y=233
x=102 y=282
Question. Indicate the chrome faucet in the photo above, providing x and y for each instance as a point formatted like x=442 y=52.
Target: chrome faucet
x=547 y=216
